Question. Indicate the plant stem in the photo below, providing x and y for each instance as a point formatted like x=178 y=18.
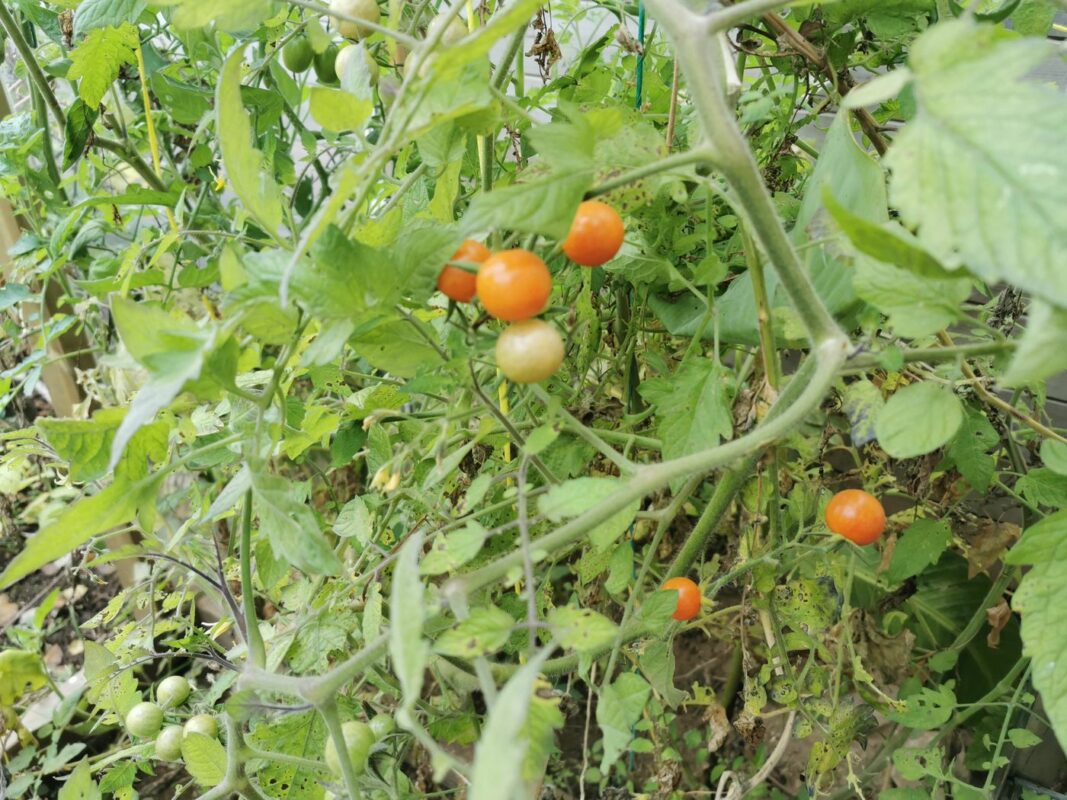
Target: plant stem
x=256 y=650
x=732 y=16
x=330 y=716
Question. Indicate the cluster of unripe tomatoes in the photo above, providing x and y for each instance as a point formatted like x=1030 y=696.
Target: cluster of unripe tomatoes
x=514 y=286
x=853 y=514
x=145 y=720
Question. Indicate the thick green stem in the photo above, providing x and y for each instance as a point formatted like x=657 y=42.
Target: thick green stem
x=337 y=734
x=256 y=651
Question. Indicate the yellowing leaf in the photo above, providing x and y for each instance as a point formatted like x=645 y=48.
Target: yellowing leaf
x=97 y=60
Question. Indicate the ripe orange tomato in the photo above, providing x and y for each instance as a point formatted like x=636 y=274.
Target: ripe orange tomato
x=595 y=236
x=856 y=515
x=514 y=285
x=688 y=597
x=457 y=283
x=529 y=351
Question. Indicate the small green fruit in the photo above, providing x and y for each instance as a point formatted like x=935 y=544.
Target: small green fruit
x=297 y=54
x=144 y=720
x=382 y=725
x=169 y=743
x=173 y=691
x=325 y=64
x=203 y=724
x=359 y=738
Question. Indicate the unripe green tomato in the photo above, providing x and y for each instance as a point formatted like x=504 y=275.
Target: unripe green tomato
x=169 y=743
x=382 y=725
x=325 y=64
x=348 y=54
x=363 y=9
x=529 y=351
x=388 y=89
x=144 y=720
x=173 y=691
x=455 y=29
x=203 y=724
x=359 y=738
x=297 y=54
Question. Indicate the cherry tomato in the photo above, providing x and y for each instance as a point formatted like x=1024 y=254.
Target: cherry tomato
x=363 y=9
x=456 y=29
x=595 y=236
x=169 y=743
x=203 y=724
x=514 y=285
x=382 y=725
x=457 y=283
x=325 y=64
x=688 y=597
x=359 y=738
x=173 y=691
x=297 y=54
x=144 y=720
x=529 y=351
x=856 y=515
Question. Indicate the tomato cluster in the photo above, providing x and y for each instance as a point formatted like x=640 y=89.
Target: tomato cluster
x=515 y=285
x=145 y=720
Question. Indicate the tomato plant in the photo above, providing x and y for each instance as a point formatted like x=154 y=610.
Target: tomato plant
x=315 y=431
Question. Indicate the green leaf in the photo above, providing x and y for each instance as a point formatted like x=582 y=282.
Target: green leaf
x=109 y=687
x=316 y=640
x=575 y=497
x=21 y=672
x=1033 y=17
x=919 y=547
x=582 y=629
x=693 y=407
x=620 y=707
x=408 y=650
x=80 y=785
x=76 y=130
x=452 y=550
x=1022 y=738
x=92 y=14
x=918 y=419
x=1043 y=487
x=133 y=196
x=545 y=206
x=1040 y=599
x=290 y=524
x=969 y=450
x=81 y=521
x=914 y=763
x=97 y=60
x=1040 y=353
x=354 y=520
x=246 y=167
x=396 y=347
x=657 y=666
x=172 y=349
x=498 y=756
x=1054 y=456
x=621 y=569
x=862 y=402
x=926 y=709
x=417 y=257
x=230 y=15
x=205 y=758
x=916 y=306
x=979 y=170
x=886 y=241
x=485 y=631
x=337 y=110
x=86 y=444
